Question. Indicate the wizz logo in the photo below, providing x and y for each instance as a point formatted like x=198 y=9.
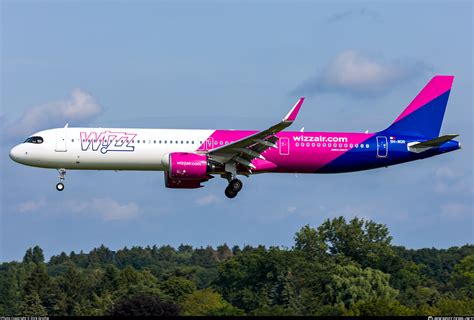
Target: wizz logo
x=107 y=141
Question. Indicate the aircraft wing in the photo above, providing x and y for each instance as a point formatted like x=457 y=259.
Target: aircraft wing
x=243 y=151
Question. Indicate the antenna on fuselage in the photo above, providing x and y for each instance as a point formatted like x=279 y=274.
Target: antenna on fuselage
x=302 y=129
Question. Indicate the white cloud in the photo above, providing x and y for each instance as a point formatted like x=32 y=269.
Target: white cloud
x=355 y=13
x=355 y=73
x=447 y=172
x=207 y=200
x=78 y=108
x=450 y=180
x=31 y=205
x=108 y=209
x=291 y=209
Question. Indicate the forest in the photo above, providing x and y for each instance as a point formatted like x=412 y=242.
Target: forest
x=342 y=267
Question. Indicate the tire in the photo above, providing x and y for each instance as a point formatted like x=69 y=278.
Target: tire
x=236 y=185
x=60 y=186
x=230 y=193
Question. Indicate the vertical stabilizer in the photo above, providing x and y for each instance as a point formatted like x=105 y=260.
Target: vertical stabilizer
x=424 y=115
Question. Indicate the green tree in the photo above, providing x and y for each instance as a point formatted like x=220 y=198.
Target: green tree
x=31 y=306
x=379 y=307
x=364 y=241
x=448 y=306
x=101 y=255
x=143 y=305
x=9 y=290
x=274 y=310
x=38 y=281
x=350 y=284
x=38 y=256
x=76 y=288
x=28 y=257
x=132 y=282
x=308 y=241
x=223 y=252
x=207 y=303
x=463 y=277
x=34 y=255
x=177 y=287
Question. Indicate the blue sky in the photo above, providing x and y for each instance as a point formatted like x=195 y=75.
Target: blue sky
x=236 y=65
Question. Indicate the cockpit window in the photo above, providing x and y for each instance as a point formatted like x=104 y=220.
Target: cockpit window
x=35 y=139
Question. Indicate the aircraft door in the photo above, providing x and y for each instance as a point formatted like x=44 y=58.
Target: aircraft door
x=61 y=136
x=382 y=147
x=284 y=144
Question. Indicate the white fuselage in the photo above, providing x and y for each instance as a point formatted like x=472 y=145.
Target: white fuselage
x=107 y=148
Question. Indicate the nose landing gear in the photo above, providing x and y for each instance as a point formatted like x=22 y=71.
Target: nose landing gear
x=62 y=176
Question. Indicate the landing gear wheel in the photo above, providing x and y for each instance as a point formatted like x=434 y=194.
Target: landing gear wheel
x=235 y=185
x=230 y=193
x=60 y=186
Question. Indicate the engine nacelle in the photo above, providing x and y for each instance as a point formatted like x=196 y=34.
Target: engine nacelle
x=186 y=166
x=181 y=184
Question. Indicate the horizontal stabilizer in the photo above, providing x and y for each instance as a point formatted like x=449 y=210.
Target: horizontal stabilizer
x=433 y=143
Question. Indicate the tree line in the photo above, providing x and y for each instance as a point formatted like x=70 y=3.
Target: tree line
x=339 y=268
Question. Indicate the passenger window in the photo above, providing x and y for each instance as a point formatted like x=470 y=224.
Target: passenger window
x=297 y=144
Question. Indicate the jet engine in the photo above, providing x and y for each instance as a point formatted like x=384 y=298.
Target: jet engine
x=186 y=170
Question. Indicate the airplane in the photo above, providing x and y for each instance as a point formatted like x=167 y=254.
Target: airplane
x=191 y=157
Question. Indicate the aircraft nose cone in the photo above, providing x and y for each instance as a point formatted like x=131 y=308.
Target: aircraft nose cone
x=15 y=154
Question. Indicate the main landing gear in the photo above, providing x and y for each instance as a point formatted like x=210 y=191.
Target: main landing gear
x=235 y=185
x=62 y=176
